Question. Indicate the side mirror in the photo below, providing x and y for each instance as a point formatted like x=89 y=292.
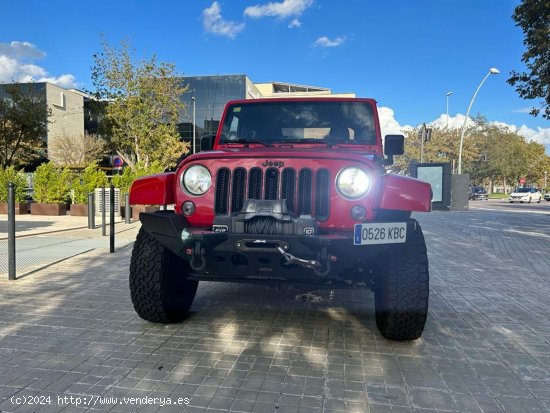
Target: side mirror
x=207 y=142
x=393 y=145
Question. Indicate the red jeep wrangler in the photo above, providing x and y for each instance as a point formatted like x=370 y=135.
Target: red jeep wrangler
x=289 y=190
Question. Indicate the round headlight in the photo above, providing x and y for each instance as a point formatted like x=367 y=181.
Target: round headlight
x=352 y=182
x=197 y=180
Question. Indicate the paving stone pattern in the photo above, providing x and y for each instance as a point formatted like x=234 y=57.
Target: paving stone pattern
x=70 y=330
x=41 y=250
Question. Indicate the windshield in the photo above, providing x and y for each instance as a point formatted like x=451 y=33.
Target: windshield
x=328 y=123
x=479 y=189
x=523 y=190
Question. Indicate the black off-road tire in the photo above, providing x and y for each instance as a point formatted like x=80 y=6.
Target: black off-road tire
x=402 y=289
x=159 y=288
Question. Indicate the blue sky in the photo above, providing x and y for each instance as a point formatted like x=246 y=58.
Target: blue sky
x=407 y=54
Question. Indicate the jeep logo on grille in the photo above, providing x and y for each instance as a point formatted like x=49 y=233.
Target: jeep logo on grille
x=276 y=164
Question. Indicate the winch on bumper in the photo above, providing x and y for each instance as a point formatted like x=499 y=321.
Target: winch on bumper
x=262 y=242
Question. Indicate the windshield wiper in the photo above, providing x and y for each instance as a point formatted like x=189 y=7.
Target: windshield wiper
x=247 y=141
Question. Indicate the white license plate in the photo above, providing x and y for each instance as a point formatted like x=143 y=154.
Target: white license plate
x=380 y=233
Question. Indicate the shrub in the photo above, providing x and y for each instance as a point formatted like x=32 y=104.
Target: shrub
x=51 y=184
x=11 y=175
x=86 y=182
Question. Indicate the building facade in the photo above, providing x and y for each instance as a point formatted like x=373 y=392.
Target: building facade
x=66 y=108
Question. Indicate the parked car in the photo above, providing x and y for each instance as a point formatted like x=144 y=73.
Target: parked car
x=525 y=195
x=547 y=196
x=477 y=193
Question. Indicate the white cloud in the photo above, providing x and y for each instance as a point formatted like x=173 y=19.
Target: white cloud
x=213 y=22
x=16 y=66
x=540 y=135
x=295 y=23
x=324 y=41
x=287 y=8
x=64 y=81
x=389 y=124
x=21 y=51
x=455 y=122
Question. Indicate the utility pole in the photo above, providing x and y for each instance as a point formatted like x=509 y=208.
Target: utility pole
x=194 y=129
x=492 y=71
x=422 y=138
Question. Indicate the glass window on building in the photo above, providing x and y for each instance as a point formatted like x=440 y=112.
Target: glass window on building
x=211 y=93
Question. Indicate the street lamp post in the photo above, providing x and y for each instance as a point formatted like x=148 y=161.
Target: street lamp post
x=448 y=94
x=492 y=71
x=194 y=134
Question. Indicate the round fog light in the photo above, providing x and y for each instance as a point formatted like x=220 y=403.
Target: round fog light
x=188 y=208
x=358 y=213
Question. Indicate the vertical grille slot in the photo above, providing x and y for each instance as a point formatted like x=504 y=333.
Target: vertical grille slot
x=238 y=188
x=222 y=191
x=322 y=194
x=304 y=192
x=288 y=187
x=255 y=184
x=271 y=183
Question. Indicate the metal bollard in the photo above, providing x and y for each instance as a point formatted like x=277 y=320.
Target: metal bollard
x=112 y=219
x=103 y=213
x=93 y=209
x=90 y=211
x=11 y=231
x=127 y=211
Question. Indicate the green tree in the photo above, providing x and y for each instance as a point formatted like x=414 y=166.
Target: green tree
x=51 y=183
x=23 y=123
x=10 y=174
x=443 y=147
x=506 y=156
x=533 y=16
x=91 y=178
x=144 y=105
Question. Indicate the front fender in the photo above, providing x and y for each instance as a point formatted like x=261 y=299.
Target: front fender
x=154 y=190
x=402 y=193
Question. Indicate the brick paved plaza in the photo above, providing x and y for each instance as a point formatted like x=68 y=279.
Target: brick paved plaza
x=70 y=330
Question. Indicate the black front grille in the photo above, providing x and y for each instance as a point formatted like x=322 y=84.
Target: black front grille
x=222 y=191
x=305 y=181
x=322 y=194
x=255 y=184
x=307 y=192
x=239 y=187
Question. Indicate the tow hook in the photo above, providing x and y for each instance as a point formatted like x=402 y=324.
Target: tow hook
x=314 y=265
x=198 y=254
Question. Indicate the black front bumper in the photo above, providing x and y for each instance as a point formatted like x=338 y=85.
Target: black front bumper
x=234 y=256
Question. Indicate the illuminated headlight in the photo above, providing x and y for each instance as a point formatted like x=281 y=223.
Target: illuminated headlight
x=196 y=180
x=353 y=182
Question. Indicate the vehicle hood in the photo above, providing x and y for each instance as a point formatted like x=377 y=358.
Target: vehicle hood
x=522 y=193
x=278 y=153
